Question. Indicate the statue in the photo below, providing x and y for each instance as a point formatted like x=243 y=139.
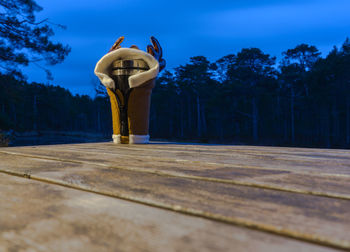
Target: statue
x=129 y=76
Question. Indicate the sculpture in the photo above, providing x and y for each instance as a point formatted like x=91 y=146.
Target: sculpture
x=129 y=76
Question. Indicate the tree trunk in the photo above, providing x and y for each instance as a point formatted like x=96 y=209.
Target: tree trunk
x=35 y=113
x=189 y=116
x=292 y=129
x=326 y=128
x=278 y=126
x=182 y=120
x=156 y=123
x=98 y=120
x=255 y=119
x=204 y=121
x=14 y=114
x=335 y=122
x=285 y=129
x=220 y=128
x=348 y=120
x=199 y=126
x=171 y=127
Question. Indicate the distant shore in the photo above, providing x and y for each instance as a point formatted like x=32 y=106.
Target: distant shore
x=55 y=137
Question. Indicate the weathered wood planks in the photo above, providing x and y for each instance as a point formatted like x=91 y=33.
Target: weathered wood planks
x=306 y=202
x=311 y=179
x=36 y=216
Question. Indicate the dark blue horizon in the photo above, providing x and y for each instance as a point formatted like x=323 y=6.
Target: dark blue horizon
x=186 y=29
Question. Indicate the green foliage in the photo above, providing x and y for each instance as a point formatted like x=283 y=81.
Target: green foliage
x=24 y=40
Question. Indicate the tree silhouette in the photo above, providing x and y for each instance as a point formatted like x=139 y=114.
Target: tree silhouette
x=252 y=68
x=240 y=98
x=24 y=40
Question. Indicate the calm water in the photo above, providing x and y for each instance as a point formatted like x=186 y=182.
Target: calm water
x=56 y=139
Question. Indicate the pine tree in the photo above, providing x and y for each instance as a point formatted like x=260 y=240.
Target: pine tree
x=24 y=40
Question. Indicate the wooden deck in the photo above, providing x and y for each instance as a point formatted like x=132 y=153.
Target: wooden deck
x=173 y=197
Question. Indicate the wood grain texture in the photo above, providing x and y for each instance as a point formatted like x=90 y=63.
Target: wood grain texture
x=321 y=180
x=296 y=215
x=297 y=193
x=36 y=216
x=327 y=163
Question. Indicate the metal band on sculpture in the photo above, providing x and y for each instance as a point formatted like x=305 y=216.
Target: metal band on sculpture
x=129 y=75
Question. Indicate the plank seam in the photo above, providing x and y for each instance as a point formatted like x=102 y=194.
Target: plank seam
x=314 y=239
x=222 y=165
x=199 y=178
x=256 y=155
x=213 y=163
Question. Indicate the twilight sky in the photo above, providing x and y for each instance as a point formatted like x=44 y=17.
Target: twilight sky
x=186 y=28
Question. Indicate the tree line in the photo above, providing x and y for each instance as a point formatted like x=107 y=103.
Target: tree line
x=248 y=97
x=38 y=107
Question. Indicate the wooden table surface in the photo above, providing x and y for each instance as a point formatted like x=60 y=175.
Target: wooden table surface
x=173 y=197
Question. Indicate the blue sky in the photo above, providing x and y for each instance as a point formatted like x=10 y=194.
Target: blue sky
x=186 y=28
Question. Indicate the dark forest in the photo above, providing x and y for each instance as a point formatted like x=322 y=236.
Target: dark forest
x=244 y=98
